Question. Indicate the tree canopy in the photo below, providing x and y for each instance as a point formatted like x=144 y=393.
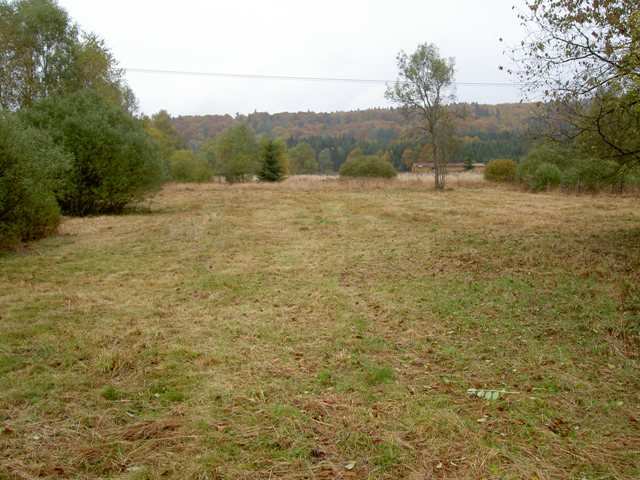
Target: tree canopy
x=43 y=53
x=584 y=55
x=302 y=160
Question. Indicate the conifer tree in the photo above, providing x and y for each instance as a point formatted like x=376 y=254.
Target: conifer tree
x=272 y=158
x=468 y=163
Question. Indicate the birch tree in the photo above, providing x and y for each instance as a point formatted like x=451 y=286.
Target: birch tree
x=423 y=90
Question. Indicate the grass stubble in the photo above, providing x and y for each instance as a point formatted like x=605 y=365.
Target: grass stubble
x=327 y=329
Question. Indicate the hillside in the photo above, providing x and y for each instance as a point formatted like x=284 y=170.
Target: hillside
x=361 y=124
x=486 y=131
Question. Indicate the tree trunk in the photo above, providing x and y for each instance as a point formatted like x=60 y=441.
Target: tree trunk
x=440 y=169
x=441 y=176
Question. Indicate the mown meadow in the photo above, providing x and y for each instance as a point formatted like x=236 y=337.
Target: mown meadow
x=327 y=329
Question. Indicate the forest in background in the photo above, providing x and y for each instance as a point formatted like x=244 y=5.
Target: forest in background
x=485 y=132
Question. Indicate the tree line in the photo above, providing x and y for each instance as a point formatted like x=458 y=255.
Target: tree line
x=239 y=154
x=325 y=154
x=486 y=131
x=382 y=124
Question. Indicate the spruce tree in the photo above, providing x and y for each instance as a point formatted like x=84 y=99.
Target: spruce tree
x=468 y=164
x=271 y=155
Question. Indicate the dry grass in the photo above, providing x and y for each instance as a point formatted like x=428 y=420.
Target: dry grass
x=455 y=180
x=327 y=329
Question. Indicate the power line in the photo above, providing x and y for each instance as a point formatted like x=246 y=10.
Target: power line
x=300 y=78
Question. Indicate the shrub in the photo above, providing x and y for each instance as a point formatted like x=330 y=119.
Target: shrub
x=632 y=178
x=233 y=154
x=526 y=170
x=185 y=166
x=552 y=154
x=591 y=175
x=562 y=156
x=113 y=161
x=29 y=162
x=367 y=166
x=577 y=173
x=501 y=170
x=547 y=175
x=468 y=164
x=540 y=170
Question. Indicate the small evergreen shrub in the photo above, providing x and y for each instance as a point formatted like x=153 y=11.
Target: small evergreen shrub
x=546 y=176
x=370 y=166
x=501 y=170
x=468 y=164
x=185 y=166
x=272 y=157
x=113 y=161
x=29 y=165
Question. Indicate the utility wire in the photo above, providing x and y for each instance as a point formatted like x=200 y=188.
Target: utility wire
x=301 y=78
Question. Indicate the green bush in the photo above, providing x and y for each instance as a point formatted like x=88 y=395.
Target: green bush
x=563 y=157
x=546 y=176
x=234 y=154
x=577 y=173
x=187 y=167
x=370 y=166
x=632 y=179
x=501 y=170
x=526 y=171
x=552 y=154
x=113 y=161
x=29 y=162
x=591 y=175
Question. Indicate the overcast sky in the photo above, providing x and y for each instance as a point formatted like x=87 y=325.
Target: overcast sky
x=324 y=38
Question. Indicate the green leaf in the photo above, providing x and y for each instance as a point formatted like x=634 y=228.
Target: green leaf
x=491 y=395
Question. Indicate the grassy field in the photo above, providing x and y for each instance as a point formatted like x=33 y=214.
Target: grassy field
x=327 y=330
